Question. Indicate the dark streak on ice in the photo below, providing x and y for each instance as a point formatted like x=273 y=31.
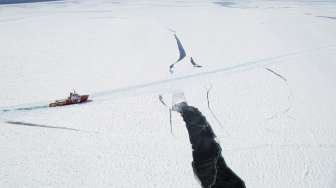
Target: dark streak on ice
x=32 y=108
x=329 y=17
x=181 y=52
x=209 y=107
x=182 y=55
x=180 y=48
x=194 y=63
x=228 y=4
x=39 y=125
x=25 y=108
x=23 y=1
x=289 y=96
x=170 y=113
x=277 y=74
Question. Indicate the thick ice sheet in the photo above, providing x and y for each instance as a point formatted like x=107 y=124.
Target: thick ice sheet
x=276 y=132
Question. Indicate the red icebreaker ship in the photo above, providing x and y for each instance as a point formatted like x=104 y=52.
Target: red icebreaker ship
x=73 y=99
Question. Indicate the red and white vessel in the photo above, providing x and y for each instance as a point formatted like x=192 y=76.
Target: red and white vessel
x=73 y=99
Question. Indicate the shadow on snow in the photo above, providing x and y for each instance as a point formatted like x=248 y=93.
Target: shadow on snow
x=23 y=1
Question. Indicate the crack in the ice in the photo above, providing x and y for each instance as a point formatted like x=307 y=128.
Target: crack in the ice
x=208 y=163
x=277 y=74
x=212 y=112
x=328 y=17
x=182 y=54
x=170 y=113
x=24 y=1
x=227 y=4
x=194 y=63
x=40 y=125
x=305 y=163
x=289 y=97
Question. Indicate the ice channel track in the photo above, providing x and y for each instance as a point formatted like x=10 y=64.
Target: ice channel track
x=174 y=83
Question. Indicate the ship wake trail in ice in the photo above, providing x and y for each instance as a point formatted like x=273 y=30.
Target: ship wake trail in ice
x=175 y=83
x=178 y=82
x=24 y=107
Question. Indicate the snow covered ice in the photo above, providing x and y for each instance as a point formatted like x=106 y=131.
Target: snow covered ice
x=271 y=65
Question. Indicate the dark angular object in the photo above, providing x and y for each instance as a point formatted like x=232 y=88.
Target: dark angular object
x=192 y=61
x=208 y=164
